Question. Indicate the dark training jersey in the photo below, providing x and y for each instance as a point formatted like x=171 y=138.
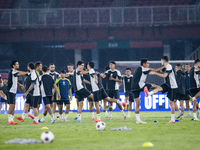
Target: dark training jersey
x=46 y=82
x=187 y=75
x=54 y=75
x=12 y=81
x=4 y=89
x=70 y=77
x=181 y=82
x=88 y=86
x=113 y=85
x=194 y=78
x=35 y=81
x=139 y=78
x=95 y=87
x=63 y=87
x=127 y=81
x=170 y=80
x=78 y=81
x=105 y=83
x=27 y=83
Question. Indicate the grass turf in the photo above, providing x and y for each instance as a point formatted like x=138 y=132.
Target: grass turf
x=77 y=136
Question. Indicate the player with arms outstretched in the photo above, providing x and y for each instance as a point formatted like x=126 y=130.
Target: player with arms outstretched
x=170 y=86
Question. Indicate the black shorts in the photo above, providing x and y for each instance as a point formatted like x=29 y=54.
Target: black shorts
x=180 y=96
x=66 y=102
x=194 y=91
x=103 y=94
x=96 y=96
x=55 y=97
x=136 y=93
x=36 y=101
x=171 y=93
x=187 y=95
x=82 y=93
x=40 y=100
x=11 y=98
x=3 y=100
x=130 y=95
x=47 y=100
x=113 y=94
x=29 y=99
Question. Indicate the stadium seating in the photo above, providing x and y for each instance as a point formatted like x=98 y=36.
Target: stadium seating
x=159 y=2
x=85 y=3
x=6 y=4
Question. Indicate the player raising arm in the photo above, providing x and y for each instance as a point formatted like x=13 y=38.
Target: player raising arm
x=47 y=82
x=170 y=85
x=12 y=89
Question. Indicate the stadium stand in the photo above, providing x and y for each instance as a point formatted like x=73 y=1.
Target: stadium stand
x=159 y=2
x=85 y=3
x=6 y=4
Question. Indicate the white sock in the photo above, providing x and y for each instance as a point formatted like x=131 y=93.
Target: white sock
x=12 y=118
x=79 y=116
x=129 y=113
x=189 y=113
x=195 y=115
x=43 y=117
x=92 y=114
x=23 y=115
x=193 y=98
x=31 y=111
x=110 y=112
x=106 y=112
x=122 y=113
x=9 y=117
x=150 y=93
x=5 y=98
x=52 y=117
x=66 y=116
x=60 y=116
x=137 y=117
x=98 y=117
x=36 y=119
x=173 y=117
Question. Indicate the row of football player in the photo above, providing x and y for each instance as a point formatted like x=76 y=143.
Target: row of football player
x=138 y=83
x=37 y=86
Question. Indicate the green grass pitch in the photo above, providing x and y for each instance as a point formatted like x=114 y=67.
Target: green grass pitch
x=84 y=136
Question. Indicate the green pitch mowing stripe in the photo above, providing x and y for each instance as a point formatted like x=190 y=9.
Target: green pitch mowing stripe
x=84 y=136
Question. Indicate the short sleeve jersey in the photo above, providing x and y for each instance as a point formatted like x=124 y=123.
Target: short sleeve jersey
x=194 y=78
x=170 y=80
x=12 y=81
x=113 y=85
x=139 y=78
x=35 y=81
x=47 y=83
x=127 y=81
x=63 y=87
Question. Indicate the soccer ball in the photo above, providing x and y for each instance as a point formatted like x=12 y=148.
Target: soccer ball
x=100 y=126
x=47 y=137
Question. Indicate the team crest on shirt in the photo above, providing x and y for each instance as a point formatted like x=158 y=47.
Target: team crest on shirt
x=128 y=80
x=111 y=74
x=63 y=82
